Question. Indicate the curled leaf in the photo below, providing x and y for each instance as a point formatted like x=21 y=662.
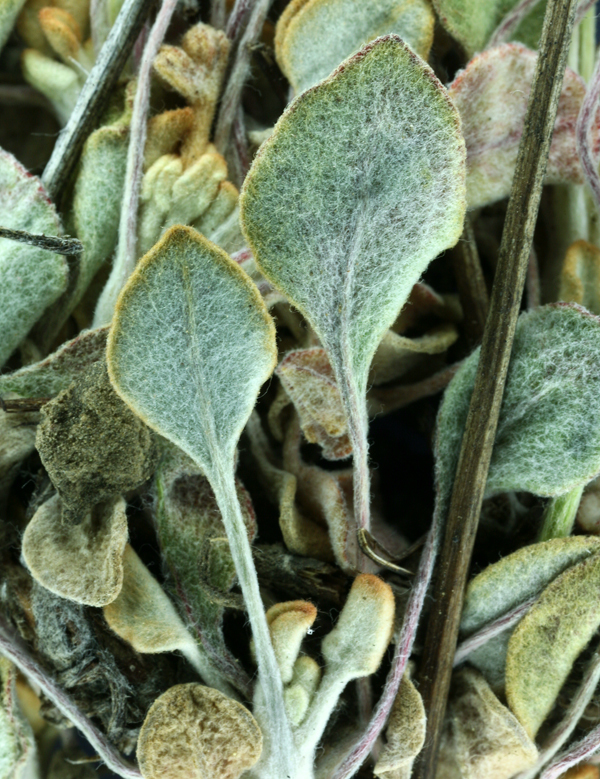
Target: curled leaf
x=491 y=95
x=314 y=36
x=300 y=691
x=81 y=563
x=547 y=641
x=397 y=354
x=288 y=624
x=405 y=733
x=195 y=732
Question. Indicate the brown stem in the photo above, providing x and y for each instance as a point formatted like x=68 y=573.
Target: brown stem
x=53 y=243
x=94 y=94
x=482 y=420
x=471 y=285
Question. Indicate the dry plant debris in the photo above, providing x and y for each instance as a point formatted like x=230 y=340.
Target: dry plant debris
x=238 y=342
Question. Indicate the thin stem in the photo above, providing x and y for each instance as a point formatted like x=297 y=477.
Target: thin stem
x=126 y=257
x=579 y=751
x=471 y=285
x=585 y=121
x=563 y=730
x=94 y=95
x=273 y=713
x=52 y=243
x=484 y=409
x=239 y=72
x=10 y=647
x=491 y=630
x=218 y=14
x=402 y=653
x=559 y=515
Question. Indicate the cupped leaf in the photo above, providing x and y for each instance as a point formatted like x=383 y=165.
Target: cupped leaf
x=313 y=37
x=491 y=95
x=548 y=436
x=405 y=733
x=547 y=641
x=360 y=186
x=472 y=22
x=31 y=278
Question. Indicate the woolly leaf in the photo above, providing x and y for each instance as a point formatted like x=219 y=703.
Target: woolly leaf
x=9 y=10
x=50 y=376
x=405 y=732
x=30 y=278
x=396 y=354
x=288 y=624
x=472 y=22
x=357 y=190
x=313 y=36
x=547 y=641
x=548 y=436
x=482 y=737
x=193 y=732
x=491 y=95
x=81 y=563
x=190 y=345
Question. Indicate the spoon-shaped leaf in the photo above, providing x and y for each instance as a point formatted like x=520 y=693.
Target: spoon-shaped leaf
x=360 y=186
x=190 y=345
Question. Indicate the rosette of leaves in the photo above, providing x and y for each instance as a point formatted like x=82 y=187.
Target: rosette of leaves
x=360 y=186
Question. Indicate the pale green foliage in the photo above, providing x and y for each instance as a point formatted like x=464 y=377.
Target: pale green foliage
x=82 y=563
x=56 y=372
x=9 y=10
x=472 y=22
x=314 y=36
x=18 y=751
x=482 y=738
x=58 y=82
x=357 y=190
x=97 y=196
x=548 y=436
x=30 y=278
x=491 y=95
x=509 y=582
x=547 y=641
x=190 y=345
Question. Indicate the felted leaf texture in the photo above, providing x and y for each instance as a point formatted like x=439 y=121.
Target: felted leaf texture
x=491 y=95
x=547 y=641
x=313 y=36
x=18 y=750
x=30 y=278
x=548 y=436
x=405 y=733
x=195 y=732
x=190 y=345
x=509 y=582
x=360 y=186
x=472 y=22
x=82 y=563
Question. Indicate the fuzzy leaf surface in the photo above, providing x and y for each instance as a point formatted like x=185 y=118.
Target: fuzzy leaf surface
x=191 y=344
x=548 y=436
x=491 y=95
x=31 y=278
x=313 y=37
x=360 y=186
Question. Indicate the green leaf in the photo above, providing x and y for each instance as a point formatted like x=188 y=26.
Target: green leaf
x=190 y=345
x=313 y=37
x=547 y=641
x=548 y=436
x=472 y=22
x=360 y=186
x=30 y=278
